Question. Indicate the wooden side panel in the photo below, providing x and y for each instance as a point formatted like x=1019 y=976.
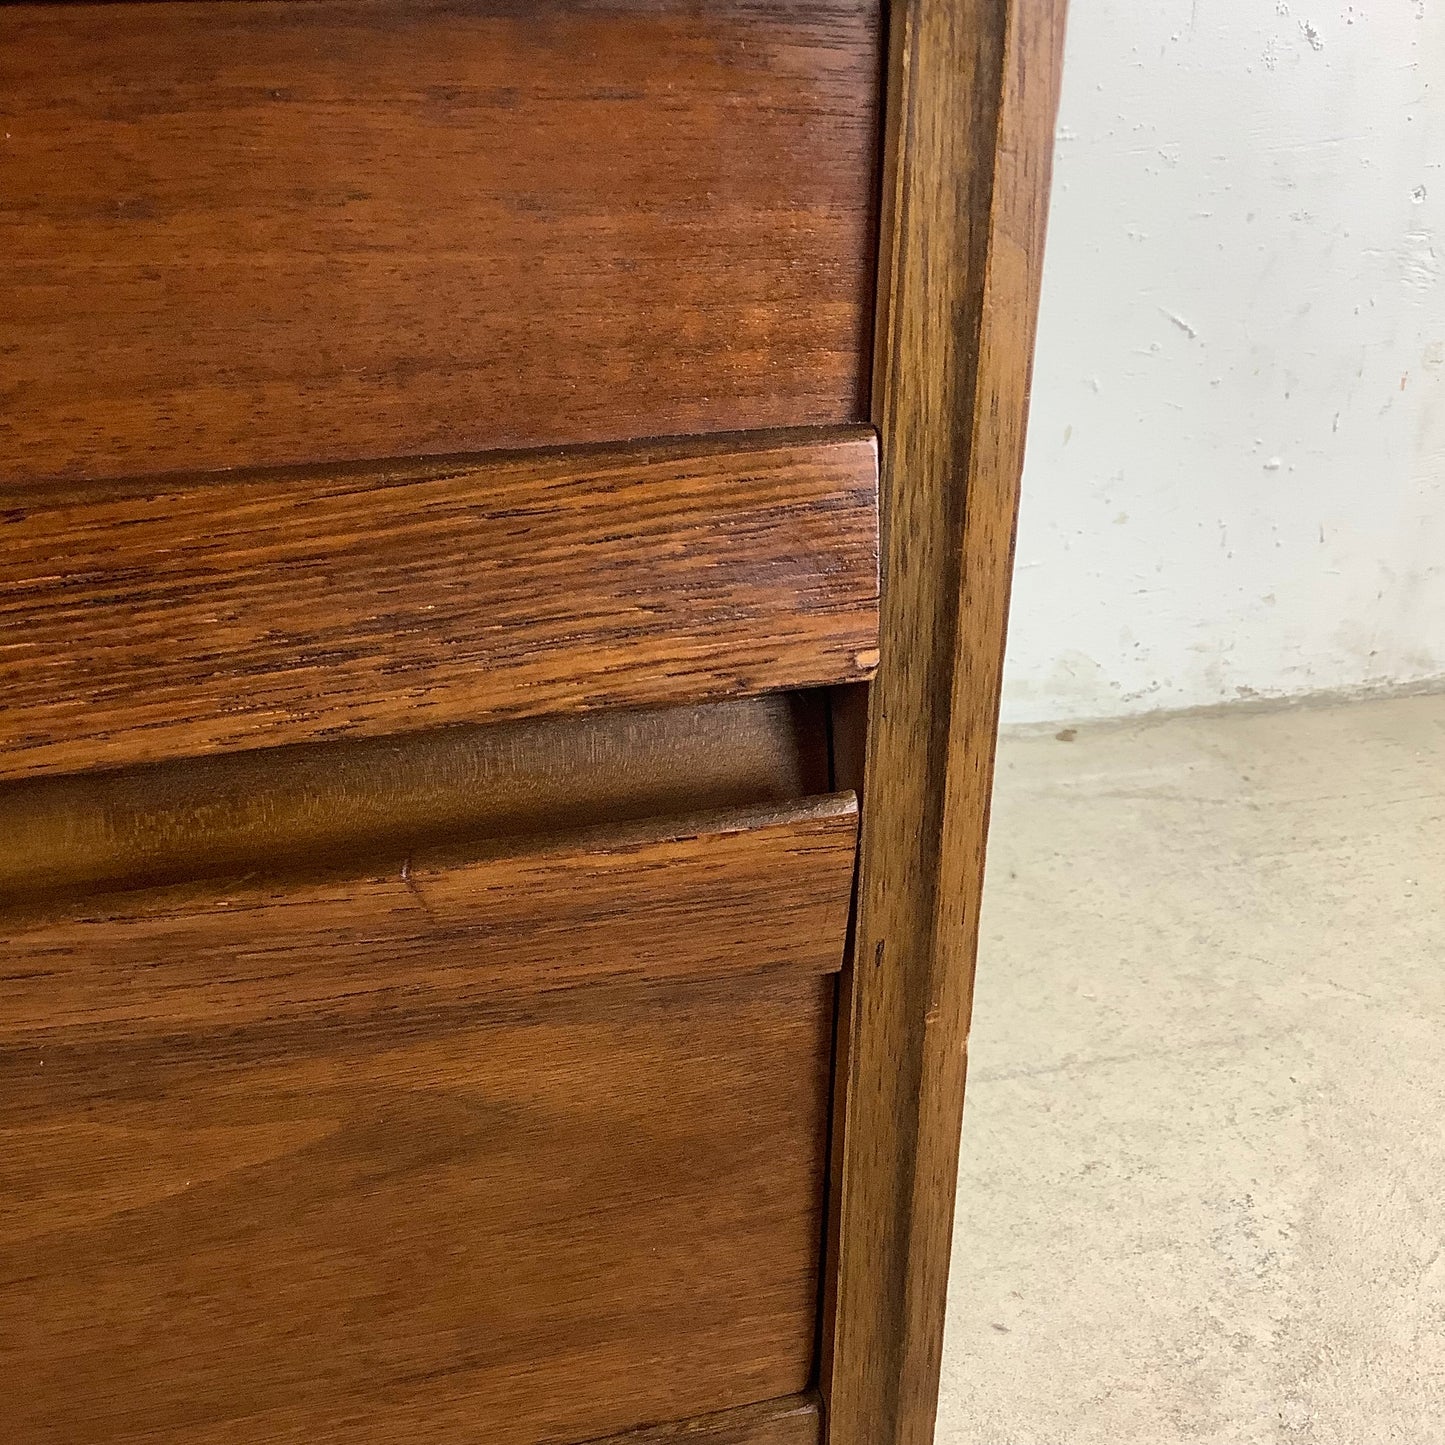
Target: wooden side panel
x=973 y=91
x=599 y=1210
x=740 y=892
x=271 y=233
x=180 y=619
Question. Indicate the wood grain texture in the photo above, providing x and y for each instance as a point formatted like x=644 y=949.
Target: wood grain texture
x=265 y=234
x=973 y=87
x=367 y=802
x=796 y=1420
x=599 y=1211
x=734 y=893
x=176 y=619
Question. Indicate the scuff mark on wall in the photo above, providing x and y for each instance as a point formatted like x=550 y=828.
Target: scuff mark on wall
x=1419 y=261
x=1180 y=322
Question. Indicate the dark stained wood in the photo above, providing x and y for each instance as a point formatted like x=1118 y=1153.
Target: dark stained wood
x=847 y=735
x=598 y=1211
x=734 y=893
x=272 y=233
x=796 y=1420
x=973 y=88
x=182 y=618
x=847 y=757
x=369 y=801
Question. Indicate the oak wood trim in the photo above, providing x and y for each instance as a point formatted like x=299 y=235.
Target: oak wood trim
x=973 y=89
x=794 y=1420
x=745 y=891
x=179 y=618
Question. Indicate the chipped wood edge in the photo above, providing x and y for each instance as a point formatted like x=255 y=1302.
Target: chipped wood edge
x=972 y=97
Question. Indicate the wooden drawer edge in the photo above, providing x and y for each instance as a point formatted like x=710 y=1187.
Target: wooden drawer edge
x=732 y=893
x=793 y=1420
x=191 y=617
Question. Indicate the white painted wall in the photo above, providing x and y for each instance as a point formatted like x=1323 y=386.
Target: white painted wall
x=1235 y=483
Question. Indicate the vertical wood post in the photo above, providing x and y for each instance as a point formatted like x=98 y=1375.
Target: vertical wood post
x=972 y=95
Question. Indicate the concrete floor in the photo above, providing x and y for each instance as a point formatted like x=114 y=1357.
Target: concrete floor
x=1203 y=1185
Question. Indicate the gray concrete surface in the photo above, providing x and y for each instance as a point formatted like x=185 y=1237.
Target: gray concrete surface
x=1202 y=1196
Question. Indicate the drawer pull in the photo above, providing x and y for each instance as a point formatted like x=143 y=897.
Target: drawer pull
x=178 y=619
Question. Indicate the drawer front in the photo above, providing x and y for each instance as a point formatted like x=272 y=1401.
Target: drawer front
x=145 y=621
x=732 y=893
x=521 y=1149
x=275 y=233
